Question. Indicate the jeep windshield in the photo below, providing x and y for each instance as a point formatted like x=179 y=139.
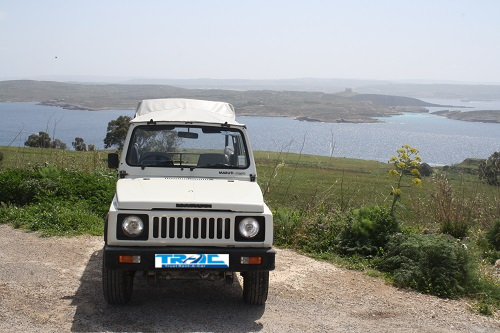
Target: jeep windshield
x=187 y=146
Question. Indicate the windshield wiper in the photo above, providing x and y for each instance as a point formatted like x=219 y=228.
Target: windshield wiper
x=191 y=168
x=164 y=163
x=217 y=165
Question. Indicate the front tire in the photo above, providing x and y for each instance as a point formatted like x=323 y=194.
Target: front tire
x=255 y=287
x=117 y=285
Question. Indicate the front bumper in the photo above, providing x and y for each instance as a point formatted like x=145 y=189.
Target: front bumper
x=147 y=254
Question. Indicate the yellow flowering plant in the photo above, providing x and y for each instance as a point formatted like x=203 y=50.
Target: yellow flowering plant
x=406 y=162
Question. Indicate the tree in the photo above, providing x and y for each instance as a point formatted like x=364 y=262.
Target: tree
x=425 y=169
x=159 y=140
x=40 y=140
x=490 y=169
x=79 y=145
x=117 y=132
x=58 y=144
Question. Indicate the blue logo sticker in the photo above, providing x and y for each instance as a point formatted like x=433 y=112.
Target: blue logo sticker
x=192 y=261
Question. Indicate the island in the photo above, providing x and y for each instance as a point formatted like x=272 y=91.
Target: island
x=342 y=107
x=482 y=116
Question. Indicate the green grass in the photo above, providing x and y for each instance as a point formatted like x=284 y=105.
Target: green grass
x=291 y=180
x=55 y=192
x=56 y=218
x=24 y=157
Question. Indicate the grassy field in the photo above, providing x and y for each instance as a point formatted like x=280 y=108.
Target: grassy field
x=310 y=182
x=24 y=157
x=306 y=181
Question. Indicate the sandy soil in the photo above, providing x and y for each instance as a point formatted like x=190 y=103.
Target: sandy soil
x=54 y=285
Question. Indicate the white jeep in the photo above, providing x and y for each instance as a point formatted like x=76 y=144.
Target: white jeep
x=187 y=204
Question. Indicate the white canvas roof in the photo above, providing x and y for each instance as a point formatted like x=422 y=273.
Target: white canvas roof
x=185 y=110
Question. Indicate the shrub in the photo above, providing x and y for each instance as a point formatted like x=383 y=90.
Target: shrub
x=367 y=231
x=21 y=187
x=454 y=214
x=96 y=189
x=484 y=246
x=1 y=157
x=17 y=186
x=55 y=201
x=286 y=225
x=319 y=231
x=433 y=264
x=425 y=170
x=457 y=229
x=490 y=169
x=493 y=235
x=54 y=218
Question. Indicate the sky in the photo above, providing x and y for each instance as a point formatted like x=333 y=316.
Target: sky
x=441 y=40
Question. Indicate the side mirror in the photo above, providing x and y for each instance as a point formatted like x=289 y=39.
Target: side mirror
x=113 y=161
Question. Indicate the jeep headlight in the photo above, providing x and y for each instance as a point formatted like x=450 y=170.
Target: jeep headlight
x=132 y=226
x=249 y=227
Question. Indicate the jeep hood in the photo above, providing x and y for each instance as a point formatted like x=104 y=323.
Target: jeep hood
x=189 y=194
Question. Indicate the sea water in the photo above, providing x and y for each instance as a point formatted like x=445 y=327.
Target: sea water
x=441 y=141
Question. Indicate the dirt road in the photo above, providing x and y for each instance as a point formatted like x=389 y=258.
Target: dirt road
x=54 y=285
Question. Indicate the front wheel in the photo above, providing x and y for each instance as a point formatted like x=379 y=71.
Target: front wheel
x=117 y=285
x=255 y=287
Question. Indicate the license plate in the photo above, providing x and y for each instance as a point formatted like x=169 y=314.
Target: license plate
x=191 y=260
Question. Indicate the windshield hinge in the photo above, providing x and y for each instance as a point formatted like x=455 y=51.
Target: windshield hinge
x=151 y=122
x=226 y=125
x=252 y=177
x=122 y=174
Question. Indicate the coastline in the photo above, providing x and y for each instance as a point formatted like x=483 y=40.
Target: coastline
x=480 y=116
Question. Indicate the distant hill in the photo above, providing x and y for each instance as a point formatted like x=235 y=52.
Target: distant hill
x=381 y=87
x=408 y=88
x=310 y=106
x=451 y=91
x=301 y=84
x=83 y=96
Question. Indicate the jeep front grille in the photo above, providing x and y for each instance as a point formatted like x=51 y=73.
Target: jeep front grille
x=202 y=228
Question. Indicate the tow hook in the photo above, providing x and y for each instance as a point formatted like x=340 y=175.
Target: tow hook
x=151 y=278
x=229 y=278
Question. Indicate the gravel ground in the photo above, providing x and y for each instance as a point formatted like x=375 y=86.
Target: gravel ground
x=54 y=285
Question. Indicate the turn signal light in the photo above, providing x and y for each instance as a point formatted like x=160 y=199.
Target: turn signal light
x=129 y=259
x=251 y=260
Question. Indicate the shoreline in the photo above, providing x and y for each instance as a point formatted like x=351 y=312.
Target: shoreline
x=480 y=116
